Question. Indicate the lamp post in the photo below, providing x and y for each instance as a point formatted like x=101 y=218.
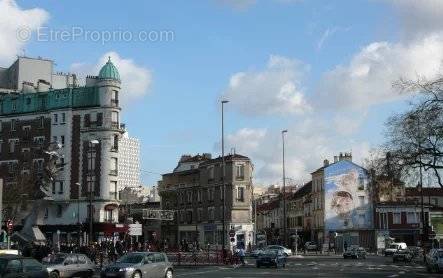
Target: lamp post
x=223 y=102
x=284 y=187
x=92 y=143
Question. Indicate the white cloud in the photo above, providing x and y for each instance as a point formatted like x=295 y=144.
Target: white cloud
x=16 y=26
x=369 y=76
x=238 y=4
x=274 y=91
x=419 y=18
x=136 y=80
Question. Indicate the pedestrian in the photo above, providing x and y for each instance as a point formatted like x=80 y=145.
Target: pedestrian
x=241 y=254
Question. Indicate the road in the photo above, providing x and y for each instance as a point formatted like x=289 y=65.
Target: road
x=318 y=266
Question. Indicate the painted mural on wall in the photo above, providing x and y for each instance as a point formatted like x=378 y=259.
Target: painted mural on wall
x=347 y=195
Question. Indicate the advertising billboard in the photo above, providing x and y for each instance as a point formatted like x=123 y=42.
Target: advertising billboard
x=347 y=197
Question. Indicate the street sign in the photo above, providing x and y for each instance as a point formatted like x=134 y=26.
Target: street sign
x=232 y=233
x=158 y=214
x=135 y=229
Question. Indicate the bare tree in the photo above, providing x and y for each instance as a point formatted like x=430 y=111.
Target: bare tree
x=415 y=137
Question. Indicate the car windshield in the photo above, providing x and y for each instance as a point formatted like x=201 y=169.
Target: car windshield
x=57 y=259
x=131 y=258
x=270 y=253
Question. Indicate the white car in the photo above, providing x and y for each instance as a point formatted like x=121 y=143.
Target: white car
x=394 y=247
x=434 y=260
x=286 y=251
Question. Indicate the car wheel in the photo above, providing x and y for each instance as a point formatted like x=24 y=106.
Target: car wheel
x=137 y=274
x=168 y=274
x=54 y=274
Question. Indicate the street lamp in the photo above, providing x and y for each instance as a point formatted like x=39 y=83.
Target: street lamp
x=92 y=143
x=284 y=187
x=223 y=102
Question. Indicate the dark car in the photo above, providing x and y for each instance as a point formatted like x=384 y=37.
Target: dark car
x=404 y=255
x=355 y=252
x=13 y=266
x=140 y=264
x=270 y=258
x=69 y=265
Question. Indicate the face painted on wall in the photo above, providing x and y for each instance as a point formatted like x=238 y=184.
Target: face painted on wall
x=342 y=199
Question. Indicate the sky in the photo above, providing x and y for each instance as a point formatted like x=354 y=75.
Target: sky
x=323 y=70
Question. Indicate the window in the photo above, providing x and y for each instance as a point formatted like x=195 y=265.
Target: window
x=361 y=201
x=13 y=124
x=60 y=189
x=26 y=131
x=114 y=166
x=361 y=219
x=46 y=215
x=199 y=196
x=59 y=211
x=1 y=143
x=189 y=196
x=199 y=214
x=221 y=212
x=91 y=160
x=81 y=259
x=189 y=216
x=396 y=218
x=12 y=167
x=62 y=139
x=42 y=121
x=210 y=194
x=53 y=187
x=412 y=218
x=114 y=117
x=361 y=183
x=114 y=98
x=14 y=105
x=435 y=201
x=39 y=140
x=221 y=192
x=241 y=194
x=38 y=165
x=56 y=118
x=1 y=125
x=14 y=266
x=211 y=214
x=211 y=173
x=99 y=119
x=109 y=216
x=87 y=120
x=240 y=170
x=63 y=118
x=113 y=190
x=54 y=139
x=115 y=143
x=12 y=144
x=62 y=164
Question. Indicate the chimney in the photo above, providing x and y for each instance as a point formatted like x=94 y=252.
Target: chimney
x=325 y=162
x=335 y=158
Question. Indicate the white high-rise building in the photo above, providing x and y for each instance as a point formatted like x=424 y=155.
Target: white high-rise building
x=129 y=162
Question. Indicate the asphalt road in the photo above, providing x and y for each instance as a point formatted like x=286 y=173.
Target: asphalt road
x=316 y=266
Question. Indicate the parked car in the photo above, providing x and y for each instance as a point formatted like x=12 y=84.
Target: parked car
x=286 y=251
x=257 y=252
x=404 y=255
x=394 y=247
x=140 y=264
x=14 y=266
x=434 y=260
x=69 y=265
x=270 y=258
x=311 y=246
x=355 y=252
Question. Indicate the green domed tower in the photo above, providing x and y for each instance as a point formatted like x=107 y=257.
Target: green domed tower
x=109 y=71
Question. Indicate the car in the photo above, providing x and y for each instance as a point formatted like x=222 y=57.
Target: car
x=270 y=258
x=140 y=264
x=434 y=260
x=355 y=252
x=256 y=253
x=404 y=255
x=286 y=251
x=14 y=266
x=310 y=246
x=394 y=247
x=69 y=265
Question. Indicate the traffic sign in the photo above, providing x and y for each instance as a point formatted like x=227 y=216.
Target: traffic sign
x=232 y=233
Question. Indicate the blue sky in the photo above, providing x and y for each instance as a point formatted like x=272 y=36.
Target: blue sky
x=322 y=69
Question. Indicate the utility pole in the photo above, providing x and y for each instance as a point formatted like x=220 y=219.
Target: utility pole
x=284 y=189
x=78 y=214
x=223 y=102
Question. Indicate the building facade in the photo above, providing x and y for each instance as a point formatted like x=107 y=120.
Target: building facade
x=85 y=122
x=194 y=190
x=129 y=161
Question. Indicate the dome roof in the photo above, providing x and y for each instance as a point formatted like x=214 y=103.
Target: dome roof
x=109 y=71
